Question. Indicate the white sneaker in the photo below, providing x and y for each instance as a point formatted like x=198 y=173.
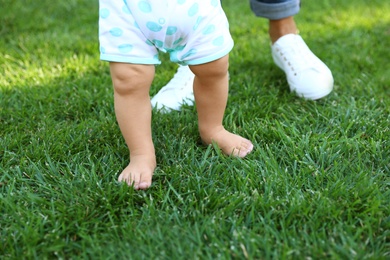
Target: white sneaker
x=177 y=92
x=306 y=74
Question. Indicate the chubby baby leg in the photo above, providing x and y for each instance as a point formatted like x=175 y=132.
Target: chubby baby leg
x=211 y=94
x=133 y=112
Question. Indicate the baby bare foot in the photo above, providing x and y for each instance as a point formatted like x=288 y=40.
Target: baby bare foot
x=139 y=172
x=232 y=144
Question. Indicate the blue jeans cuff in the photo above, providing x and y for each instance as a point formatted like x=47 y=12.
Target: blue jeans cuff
x=275 y=11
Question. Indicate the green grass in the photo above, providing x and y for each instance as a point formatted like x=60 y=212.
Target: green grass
x=316 y=185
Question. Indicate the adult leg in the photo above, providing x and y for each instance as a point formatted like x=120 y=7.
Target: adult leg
x=211 y=93
x=280 y=14
x=133 y=112
x=306 y=74
x=281 y=27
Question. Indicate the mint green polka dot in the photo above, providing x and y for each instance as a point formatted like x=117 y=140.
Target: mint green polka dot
x=218 y=41
x=209 y=29
x=171 y=30
x=180 y=2
x=154 y=27
x=125 y=48
x=176 y=49
x=177 y=41
x=197 y=23
x=102 y=50
x=180 y=47
x=126 y=10
x=104 y=13
x=214 y=3
x=148 y=42
x=117 y=32
x=189 y=53
x=193 y=10
x=145 y=7
x=158 y=44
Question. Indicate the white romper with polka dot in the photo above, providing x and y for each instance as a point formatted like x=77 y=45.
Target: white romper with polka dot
x=191 y=31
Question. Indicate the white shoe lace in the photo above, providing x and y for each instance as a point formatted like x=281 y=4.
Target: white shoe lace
x=297 y=52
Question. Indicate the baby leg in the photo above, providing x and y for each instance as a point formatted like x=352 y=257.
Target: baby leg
x=211 y=93
x=133 y=112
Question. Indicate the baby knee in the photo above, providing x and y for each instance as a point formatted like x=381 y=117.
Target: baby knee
x=131 y=79
x=217 y=68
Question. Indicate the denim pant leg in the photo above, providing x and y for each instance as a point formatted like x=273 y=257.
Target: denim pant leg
x=276 y=9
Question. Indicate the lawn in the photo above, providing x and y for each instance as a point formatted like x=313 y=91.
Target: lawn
x=317 y=185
